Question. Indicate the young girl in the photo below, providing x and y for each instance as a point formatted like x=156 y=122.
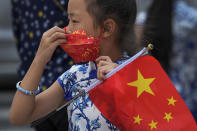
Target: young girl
x=114 y=19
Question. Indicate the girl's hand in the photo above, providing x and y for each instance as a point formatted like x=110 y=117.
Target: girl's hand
x=49 y=42
x=104 y=66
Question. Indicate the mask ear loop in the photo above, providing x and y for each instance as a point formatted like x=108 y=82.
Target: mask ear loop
x=101 y=32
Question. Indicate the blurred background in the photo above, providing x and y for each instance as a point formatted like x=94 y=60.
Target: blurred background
x=9 y=61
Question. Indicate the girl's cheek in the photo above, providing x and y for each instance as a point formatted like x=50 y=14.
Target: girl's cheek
x=88 y=30
x=76 y=27
x=81 y=27
x=73 y=27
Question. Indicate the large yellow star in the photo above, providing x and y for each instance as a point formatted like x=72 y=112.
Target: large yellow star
x=137 y=119
x=168 y=116
x=171 y=101
x=142 y=84
x=153 y=125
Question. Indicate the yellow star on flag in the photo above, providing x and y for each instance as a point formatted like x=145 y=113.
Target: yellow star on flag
x=142 y=84
x=153 y=125
x=137 y=119
x=168 y=116
x=171 y=101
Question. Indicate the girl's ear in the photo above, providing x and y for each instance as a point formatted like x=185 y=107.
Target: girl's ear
x=109 y=27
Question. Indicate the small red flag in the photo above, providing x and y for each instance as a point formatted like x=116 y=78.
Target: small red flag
x=141 y=97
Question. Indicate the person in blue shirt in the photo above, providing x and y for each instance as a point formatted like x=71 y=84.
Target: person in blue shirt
x=157 y=30
x=183 y=71
x=114 y=20
x=176 y=44
x=31 y=18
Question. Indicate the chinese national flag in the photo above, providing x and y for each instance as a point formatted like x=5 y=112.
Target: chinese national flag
x=141 y=97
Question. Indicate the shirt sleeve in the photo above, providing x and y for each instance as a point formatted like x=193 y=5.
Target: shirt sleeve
x=66 y=81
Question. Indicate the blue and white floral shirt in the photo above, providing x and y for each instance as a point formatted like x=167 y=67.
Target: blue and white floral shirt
x=82 y=113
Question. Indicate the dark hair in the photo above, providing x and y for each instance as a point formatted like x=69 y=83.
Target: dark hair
x=123 y=12
x=158 y=30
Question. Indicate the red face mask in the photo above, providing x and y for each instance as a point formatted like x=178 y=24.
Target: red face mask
x=80 y=47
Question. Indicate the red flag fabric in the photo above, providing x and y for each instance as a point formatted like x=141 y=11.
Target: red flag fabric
x=141 y=97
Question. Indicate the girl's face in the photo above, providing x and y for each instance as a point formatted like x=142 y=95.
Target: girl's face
x=80 y=19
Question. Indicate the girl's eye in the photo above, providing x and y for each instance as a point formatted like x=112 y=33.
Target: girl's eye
x=75 y=21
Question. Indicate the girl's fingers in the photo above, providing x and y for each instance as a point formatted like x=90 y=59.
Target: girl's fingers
x=102 y=63
x=103 y=73
x=49 y=43
x=57 y=43
x=103 y=70
x=105 y=63
x=56 y=36
x=103 y=58
x=100 y=75
x=53 y=30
